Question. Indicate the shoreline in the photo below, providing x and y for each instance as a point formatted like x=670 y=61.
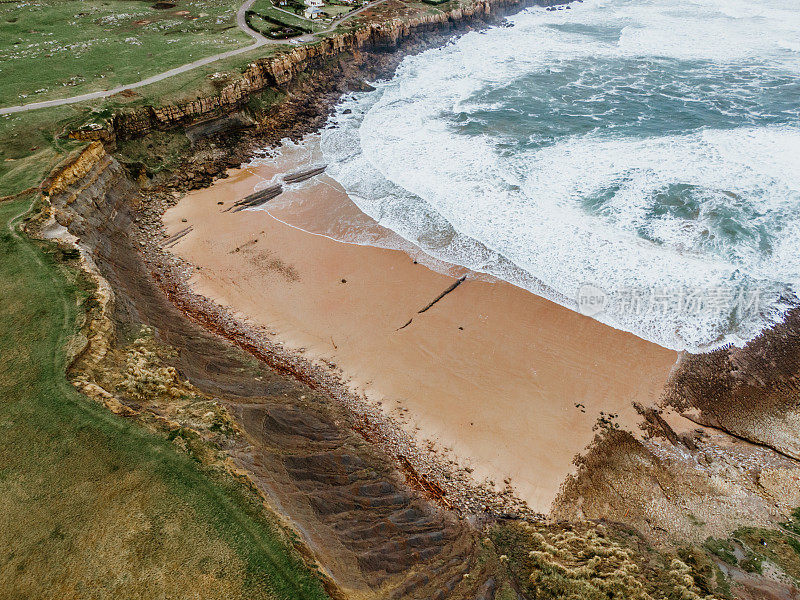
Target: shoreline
x=572 y=383
x=713 y=459
x=305 y=113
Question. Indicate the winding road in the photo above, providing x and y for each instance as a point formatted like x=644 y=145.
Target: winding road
x=258 y=41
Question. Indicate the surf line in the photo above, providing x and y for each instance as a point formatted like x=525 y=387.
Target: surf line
x=452 y=287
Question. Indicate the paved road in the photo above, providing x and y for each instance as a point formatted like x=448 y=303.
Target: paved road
x=259 y=40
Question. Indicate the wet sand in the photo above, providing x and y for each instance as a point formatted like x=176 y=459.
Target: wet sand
x=491 y=373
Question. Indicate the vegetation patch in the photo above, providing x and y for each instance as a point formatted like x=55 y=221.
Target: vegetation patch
x=722 y=549
x=776 y=547
x=593 y=562
x=271 y=27
x=275 y=23
x=156 y=152
x=259 y=104
x=32 y=146
x=750 y=547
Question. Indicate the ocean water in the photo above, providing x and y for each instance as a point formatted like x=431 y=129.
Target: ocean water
x=638 y=161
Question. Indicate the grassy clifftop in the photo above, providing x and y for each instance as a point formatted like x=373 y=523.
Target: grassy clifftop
x=60 y=48
x=94 y=505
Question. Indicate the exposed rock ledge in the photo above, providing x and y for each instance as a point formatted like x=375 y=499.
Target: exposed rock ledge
x=281 y=70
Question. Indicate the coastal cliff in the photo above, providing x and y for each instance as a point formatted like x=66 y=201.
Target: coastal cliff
x=666 y=491
x=74 y=169
x=307 y=454
x=280 y=71
x=364 y=522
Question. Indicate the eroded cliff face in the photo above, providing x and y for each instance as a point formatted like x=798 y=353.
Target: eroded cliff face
x=74 y=169
x=280 y=71
x=373 y=534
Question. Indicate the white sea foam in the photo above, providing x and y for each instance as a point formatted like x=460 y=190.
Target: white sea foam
x=589 y=206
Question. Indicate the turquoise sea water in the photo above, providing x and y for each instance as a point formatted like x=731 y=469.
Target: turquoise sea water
x=646 y=151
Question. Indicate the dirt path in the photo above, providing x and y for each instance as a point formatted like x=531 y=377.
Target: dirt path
x=259 y=40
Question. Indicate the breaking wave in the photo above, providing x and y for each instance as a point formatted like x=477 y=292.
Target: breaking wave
x=647 y=150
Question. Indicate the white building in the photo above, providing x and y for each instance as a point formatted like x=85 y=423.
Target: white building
x=315 y=3
x=312 y=12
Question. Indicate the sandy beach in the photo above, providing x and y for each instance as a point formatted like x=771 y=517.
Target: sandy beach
x=503 y=381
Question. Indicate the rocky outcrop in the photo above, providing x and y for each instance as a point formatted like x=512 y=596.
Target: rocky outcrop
x=751 y=392
x=281 y=70
x=673 y=494
x=74 y=169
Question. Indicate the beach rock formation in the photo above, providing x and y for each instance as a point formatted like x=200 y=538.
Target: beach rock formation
x=751 y=392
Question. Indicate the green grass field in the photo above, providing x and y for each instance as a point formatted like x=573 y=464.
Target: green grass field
x=59 y=48
x=92 y=505
x=31 y=145
x=263 y=7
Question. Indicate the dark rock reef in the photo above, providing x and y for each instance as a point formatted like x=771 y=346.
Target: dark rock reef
x=751 y=392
